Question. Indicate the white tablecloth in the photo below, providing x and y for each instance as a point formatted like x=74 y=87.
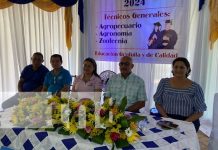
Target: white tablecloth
x=183 y=138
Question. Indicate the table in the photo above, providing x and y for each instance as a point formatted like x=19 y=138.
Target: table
x=183 y=138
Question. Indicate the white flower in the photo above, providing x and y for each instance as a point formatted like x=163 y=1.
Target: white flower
x=103 y=126
x=27 y=118
x=67 y=112
x=128 y=132
x=48 y=122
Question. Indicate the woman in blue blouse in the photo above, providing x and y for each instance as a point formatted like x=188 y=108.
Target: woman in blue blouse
x=179 y=97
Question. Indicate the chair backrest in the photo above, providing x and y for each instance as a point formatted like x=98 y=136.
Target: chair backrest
x=213 y=140
x=105 y=76
x=71 y=86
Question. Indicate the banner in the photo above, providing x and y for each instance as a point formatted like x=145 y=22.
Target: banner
x=150 y=31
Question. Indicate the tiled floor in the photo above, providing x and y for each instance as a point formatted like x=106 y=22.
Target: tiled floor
x=203 y=139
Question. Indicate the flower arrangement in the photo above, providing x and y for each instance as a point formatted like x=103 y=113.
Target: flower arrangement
x=106 y=123
x=99 y=123
x=31 y=112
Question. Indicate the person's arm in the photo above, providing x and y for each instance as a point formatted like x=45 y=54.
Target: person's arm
x=158 y=98
x=98 y=85
x=199 y=104
x=66 y=88
x=67 y=82
x=38 y=89
x=23 y=77
x=194 y=116
x=73 y=88
x=20 y=85
x=98 y=90
x=136 y=106
x=161 y=110
x=46 y=83
x=42 y=79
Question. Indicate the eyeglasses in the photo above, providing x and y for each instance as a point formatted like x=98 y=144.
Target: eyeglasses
x=124 y=64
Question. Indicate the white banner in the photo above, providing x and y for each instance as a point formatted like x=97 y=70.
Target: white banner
x=150 y=31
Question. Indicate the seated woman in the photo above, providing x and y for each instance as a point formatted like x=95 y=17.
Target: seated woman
x=59 y=79
x=89 y=81
x=178 y=97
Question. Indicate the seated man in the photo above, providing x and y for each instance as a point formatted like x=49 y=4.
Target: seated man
x=127 y=84
x=32 y=76
x=31 y=79
x=59 y=79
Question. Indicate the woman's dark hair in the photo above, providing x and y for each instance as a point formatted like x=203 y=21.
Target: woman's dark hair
x=91 y=60
x=186 y=62
x=56 y=56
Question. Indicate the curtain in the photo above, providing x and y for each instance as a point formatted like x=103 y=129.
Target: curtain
x=204 y=62
x=211 y=88
x=25 y=29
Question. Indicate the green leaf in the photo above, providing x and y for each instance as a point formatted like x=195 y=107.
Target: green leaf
x=63 y=132
x=82 y=133
x=122 y=143
x=98 y=139
x=124 y=123
x=33 y=128
x=123 y=104
x=137 y=118
x=50 y=129
x=112 y=147
x=55 y=126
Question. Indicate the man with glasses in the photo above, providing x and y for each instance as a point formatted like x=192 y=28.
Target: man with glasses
x=127 y=84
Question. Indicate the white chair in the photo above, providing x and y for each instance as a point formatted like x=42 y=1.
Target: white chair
x=213 y=140
x=73 y=78
x=105 y=76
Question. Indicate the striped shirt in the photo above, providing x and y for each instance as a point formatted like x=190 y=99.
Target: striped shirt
x=133 y=87
x=182 y=102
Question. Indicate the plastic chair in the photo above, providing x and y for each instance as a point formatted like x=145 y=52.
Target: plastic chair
x=71 y=86
x=213 y=139
x=105 y=76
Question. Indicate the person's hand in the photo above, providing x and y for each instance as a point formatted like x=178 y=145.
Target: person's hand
x=66 y=88
x=165 y=116
x=58 y=94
